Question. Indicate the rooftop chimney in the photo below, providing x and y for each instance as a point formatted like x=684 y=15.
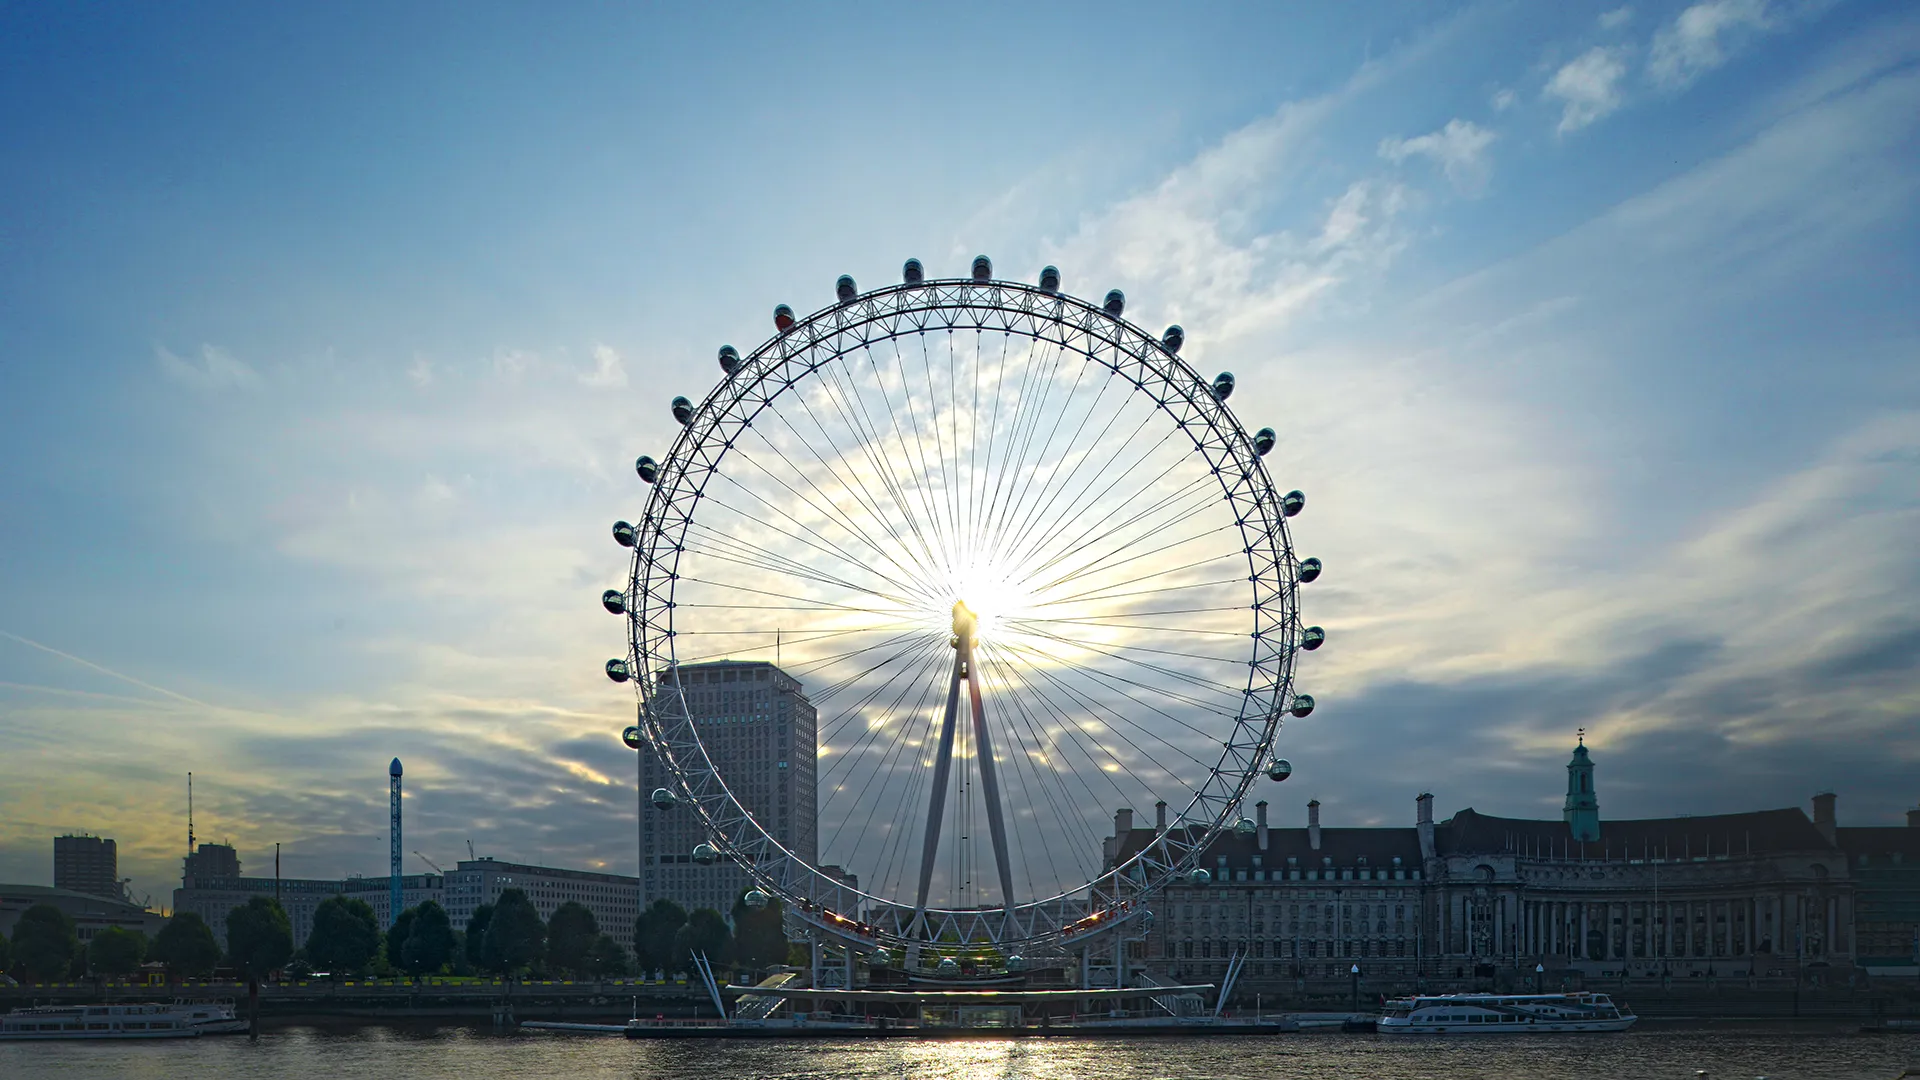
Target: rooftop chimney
x=1160 y=816
x=1823 y=814
x=1260 y=819
x=1313 y=824
x=1913 y=818
x=1123 y=822
x=1423 y=818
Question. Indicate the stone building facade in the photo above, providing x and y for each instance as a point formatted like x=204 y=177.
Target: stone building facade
x=1763 y=893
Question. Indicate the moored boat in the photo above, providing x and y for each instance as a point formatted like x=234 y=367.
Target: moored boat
x=98 y=1022
x=1492 y=1014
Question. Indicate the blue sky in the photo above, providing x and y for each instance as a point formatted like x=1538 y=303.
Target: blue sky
x=327 y=338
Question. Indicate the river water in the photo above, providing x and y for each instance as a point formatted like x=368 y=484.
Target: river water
x=462 y=1053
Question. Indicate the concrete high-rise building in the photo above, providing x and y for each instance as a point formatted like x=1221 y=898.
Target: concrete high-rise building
x=86 y=864
x=211 y=886
x=611 y=897
x=760 y=732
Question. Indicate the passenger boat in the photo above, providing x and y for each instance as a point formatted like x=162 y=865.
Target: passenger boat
x=1477 y=1014
x=98 y=1022
x=213 y=1017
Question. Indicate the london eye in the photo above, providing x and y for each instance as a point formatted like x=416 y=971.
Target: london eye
x=1029 y=567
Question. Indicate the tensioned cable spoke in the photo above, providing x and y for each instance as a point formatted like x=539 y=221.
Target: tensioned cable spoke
x=1095 y=595
x=873 y=446
x=1234 y=692
x=1103 y=565
x=1048 y=674
x=830 y=548
x=1181 y=501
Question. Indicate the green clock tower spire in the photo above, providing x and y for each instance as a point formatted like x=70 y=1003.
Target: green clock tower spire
x=1583 y=803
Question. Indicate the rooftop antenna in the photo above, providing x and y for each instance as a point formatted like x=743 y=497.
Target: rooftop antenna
x=189 y=813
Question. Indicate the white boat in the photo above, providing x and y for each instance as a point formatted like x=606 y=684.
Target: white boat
x=98 y=1022
x=213 y=1017
x=1493 y=1014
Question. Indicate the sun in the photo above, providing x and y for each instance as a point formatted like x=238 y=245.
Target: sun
x=994 y=596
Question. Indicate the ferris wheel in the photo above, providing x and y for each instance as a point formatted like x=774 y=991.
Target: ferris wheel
x=1028 y=568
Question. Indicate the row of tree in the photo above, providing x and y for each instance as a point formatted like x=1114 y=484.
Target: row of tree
x=507 y=937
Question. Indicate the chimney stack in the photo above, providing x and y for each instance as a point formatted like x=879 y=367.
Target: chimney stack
x=1423 y=818
x=1123 y=822
x=1823 y=814
x=1913 y=818
x=1313 y=824
x=1160 y=816
x=1260 y=819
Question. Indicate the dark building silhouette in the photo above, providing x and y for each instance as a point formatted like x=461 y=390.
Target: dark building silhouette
x=86 y=864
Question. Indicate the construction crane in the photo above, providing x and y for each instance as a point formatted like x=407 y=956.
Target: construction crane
x=470 y=853
x=430 y=862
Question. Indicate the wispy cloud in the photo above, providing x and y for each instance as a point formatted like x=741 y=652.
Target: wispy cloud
x=1588 y=87
x=1700 y=38
x=1459 y=148
x=216 y=368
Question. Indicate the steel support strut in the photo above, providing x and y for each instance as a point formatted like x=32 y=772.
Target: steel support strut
x=989 y=775
x=937 y=801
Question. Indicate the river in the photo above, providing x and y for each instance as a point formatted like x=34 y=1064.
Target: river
x=464 y=1053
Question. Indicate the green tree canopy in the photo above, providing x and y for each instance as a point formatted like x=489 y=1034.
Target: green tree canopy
x=570 y=935
x=653 y=936
x=476 y=944
x=706 y=932
x=397 y=936
x=186 y=946
x=44 y=943
x=345 y=936
x=6 y=954
x=259 y=937
x=116 y=951
x=515 y=935
x=429 y=943
x=606 y=958
x=759 y=934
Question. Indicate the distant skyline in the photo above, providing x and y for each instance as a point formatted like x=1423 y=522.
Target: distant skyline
x=328 y=337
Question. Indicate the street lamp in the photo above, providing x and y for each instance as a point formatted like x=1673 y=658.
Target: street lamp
x=1539 y=973
x=1355 y=972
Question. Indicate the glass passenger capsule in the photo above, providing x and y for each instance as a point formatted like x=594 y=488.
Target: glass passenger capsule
x=1016 y=964
x=982 y=268
x=704 y=855
x=756 y=899
x=1263 y=441
x=662 y=799
x=1173 y=338
x=913 y=273
x=617 y=671
x=1049 y=279
x=1223 y=385
x=1245 y=827
x=1279 y=769
x=683 y=411
x=843 y=291
x=1199 y=876
x=948 y=966
x=1302 y=704
x=647 y=468
x=729 y=359
x=783 y=318
x=1293 y=502
x=1312 y=638
x=1309 y=570
x=623 y=533
x=1116 y=302
x=614 y=601
x=632 y=737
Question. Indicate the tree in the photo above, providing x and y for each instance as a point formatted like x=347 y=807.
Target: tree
x=397 y=936
x=186 y=946
x=653 y=936
x=259 y=937
x=259 y=941
x=570 y=935
x=429 y=945
x=515 y=936
x=606 y=959
x=706 y=932
x=345 y=936
x=476 y=943
x=44 y=943
x=759 y=934
x=116 y=951
x=6 y=954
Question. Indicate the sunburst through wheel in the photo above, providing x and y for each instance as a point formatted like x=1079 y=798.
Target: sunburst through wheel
x=1029 y=568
